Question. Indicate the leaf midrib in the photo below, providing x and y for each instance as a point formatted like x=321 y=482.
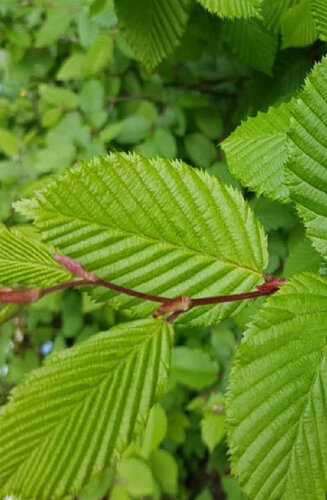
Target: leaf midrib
x=157 y=241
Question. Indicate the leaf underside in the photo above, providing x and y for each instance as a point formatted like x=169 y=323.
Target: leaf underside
x=277 y=404
x=256 y=152
x=73 y=417
x=157 y=226
x=307 y=166
x=153 y=27
x=26 y=261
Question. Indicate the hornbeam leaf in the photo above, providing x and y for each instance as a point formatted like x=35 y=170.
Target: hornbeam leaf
x=319 y=12
x=277 y=404
x=74 y=416
x=153 y=27
x=307 y=165
x=257 y=152
x=27 y=261
x=157 y=226
x=233 y=8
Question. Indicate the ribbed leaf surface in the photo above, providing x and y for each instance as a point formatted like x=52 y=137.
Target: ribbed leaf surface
x=25 y=261
x=252 y=43
x=277 y=405
x=308 y=156
x=297 y=25
x=319 y=12
x=233 y=8
x=70 y=419
x=257 y=152
x=157 y=226
x=153 y=27
x=272 y=12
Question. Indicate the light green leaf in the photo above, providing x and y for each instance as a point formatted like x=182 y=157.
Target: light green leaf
x=155 y=430
x=55 y=26
x=73 y=67
x=51 y=117
x=92 y=97
x=99 y=54
x=136 y=476
x=118 y=492
x=153 y=28
x=8 y=142
x=297 y=25
x=319 y=12
x=307 y=166
x=109 y=132
x=257 y=152
x=193 y=367
x=252 y=43
x=302 y=256
x=117 y=376
x=158 y=226
x=277 y=410
x=59 y=96
x=165 y=471
x=27 y=261
x=133 y=129
x=212 y=429
x=233 y=8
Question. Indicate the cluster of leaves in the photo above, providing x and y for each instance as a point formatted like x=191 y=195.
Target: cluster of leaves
x=77 y=81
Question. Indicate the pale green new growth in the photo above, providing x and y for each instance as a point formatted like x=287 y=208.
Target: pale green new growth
x=153 y=27
x=277 y=402
x=27 y=261
x=319 y=12
x=157 y=226
x=251 y=43
x=307 y=166
x=70 y=419
x=256 y=152
x=233 y=8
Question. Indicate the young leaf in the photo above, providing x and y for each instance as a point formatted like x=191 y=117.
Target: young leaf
x=233 y=8
x=319 y=12
x=252 y=43
x=277 y=411
x=256 y=152
x=27 y=261
x=157 y=226
x=153 y=27
x=307 y=166
x=70 y=419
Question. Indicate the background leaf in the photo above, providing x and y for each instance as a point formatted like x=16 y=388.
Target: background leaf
x=233 y=8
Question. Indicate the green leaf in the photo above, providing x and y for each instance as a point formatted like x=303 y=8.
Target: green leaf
x=27 y=261
x=200 y=150
x=133 y=129
x=319 y=12
x=165 y=471
x=8 y=142
x=117 y=377
x=55 y=26
x=210 y=123
x=252 y=43
x=153 y=28
x=59 y=96
x=257 y=152
x=272 y=12
x=155 y=430
x=136 y=476
x=307 y=166
x=212 y=429
x=233 y=8
x=302 y=256
x=297 y=26
x=99 y=54
x=276 y=411
x=73 y=67
x=158 y=226
x=193 y=367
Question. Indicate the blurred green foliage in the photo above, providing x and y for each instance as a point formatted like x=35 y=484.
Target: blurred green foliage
x=72 y=88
